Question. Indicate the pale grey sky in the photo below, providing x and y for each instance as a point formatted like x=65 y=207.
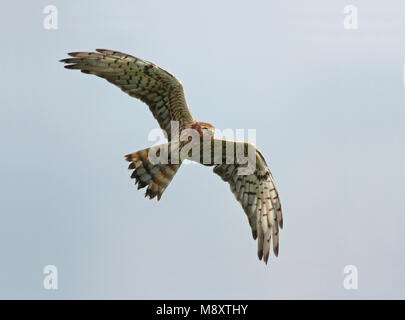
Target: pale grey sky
x=327 y=104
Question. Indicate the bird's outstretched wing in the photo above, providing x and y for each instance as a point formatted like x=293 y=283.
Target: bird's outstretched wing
x=259 y=198
x=159 y=89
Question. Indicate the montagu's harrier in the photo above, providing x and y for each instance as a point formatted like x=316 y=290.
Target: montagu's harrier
x=164 y=94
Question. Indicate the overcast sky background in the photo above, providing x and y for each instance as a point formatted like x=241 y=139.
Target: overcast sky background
x=328 y=107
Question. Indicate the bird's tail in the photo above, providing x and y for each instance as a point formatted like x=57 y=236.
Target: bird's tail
x=154 y=174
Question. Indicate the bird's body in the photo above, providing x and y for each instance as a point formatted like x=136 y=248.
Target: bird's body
x=164 y=95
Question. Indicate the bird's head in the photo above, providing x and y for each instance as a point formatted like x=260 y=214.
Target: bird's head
x=207 y=129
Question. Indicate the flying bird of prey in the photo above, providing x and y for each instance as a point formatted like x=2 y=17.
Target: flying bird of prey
x=164 y=94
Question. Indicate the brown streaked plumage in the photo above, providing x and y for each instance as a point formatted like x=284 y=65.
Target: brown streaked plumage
x=259 y=198
x=164 y=94
x=155 y=176
x=159 y=89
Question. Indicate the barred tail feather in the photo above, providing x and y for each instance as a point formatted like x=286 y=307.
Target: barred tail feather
x=156 y=177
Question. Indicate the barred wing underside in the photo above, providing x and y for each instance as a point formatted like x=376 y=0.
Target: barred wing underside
x=159 y=89
x=259 y=198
